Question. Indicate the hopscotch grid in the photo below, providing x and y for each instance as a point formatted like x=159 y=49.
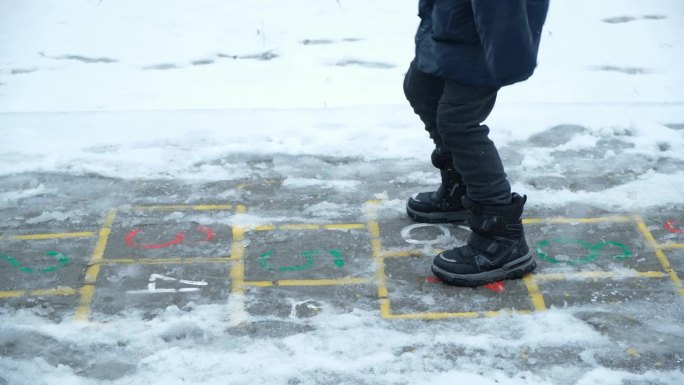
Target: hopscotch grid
x=660 y=254
x=307 y=282
x=87 y=291
x=237 y=274
x=93 y=265
x=60 y=291
x=383 y=292
x=236 y=259
x=531 y=280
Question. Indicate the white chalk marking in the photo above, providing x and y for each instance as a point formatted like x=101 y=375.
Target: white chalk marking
x=406 y=234
x=152 y=285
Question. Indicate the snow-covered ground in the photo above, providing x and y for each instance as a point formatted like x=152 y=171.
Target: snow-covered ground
x=135 y=89
x=158 y=89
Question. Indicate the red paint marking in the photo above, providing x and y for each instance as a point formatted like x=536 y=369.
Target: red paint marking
x=497 y=287
x=130 y=240
x=180 y=238
x=210 y=233
x=671 y=226
x=432 y=279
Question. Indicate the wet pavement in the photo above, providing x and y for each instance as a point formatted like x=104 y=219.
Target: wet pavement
x=288 y=240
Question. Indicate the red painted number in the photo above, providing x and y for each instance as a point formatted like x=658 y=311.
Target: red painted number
x=209 y=235
x=672 y=227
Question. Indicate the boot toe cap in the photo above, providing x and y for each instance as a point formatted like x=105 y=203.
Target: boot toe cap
x=456 y=261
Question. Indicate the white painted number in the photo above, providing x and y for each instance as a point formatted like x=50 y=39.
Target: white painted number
x=152 y=285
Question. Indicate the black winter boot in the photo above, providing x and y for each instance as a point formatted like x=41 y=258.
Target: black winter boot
x=496 y=249
x=443 y=205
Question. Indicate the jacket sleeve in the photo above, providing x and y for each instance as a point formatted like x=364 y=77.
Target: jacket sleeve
x=506 y=38
x=424 y=7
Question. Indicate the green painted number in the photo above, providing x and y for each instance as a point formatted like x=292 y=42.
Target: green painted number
x=308 y=260
x=594 y=250
x=62 y=260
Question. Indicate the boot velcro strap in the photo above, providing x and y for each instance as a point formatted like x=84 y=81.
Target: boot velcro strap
x=482 y=243
x=483 y=223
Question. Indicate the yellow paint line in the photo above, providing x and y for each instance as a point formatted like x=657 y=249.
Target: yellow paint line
x=402 y=253
x=374 y=229
x=33 y=237
x=92 y=273
x=598 y=274
x=310 y=282
x=310 y=226
x=262 y=182
x=376 y=246
x=299 y=227
x=499 y=313
x=671 y=246
x=649 y=274
x=323 y=282
x=534 y=293
x=463 y=314
x=237 y=254
x=379 y=259
x=664 y=262
x=162 y=261
x=532 y=221
x=433 y=316
x=87 y=291
x=345 y=226
x=264 y=228
x=381 y=280
x=376 y=243
x=184 y=207
x=385 y=308
x=59 y=291
x=237 y=273
x=12 y=294
x=261 y=283
x=561 y=220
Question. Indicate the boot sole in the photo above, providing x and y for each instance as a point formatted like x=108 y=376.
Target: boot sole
x=438 y=217
x=512 y=270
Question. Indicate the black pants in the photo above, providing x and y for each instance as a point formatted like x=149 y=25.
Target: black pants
x=453 y=114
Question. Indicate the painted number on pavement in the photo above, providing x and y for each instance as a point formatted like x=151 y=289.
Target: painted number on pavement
x=593 y=250
x=62 y=260
x=308 y=262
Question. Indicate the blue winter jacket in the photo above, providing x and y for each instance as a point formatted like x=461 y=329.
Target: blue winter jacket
x=480 y=42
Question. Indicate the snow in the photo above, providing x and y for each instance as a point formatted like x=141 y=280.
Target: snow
x=8 y=197
x=308 y=182
x=168 y=89
x=198 y=347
